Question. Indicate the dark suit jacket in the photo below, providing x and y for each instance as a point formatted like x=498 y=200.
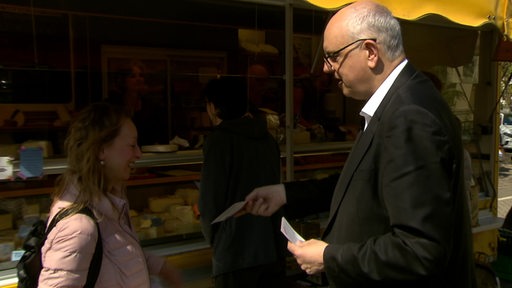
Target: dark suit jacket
x=399 y=215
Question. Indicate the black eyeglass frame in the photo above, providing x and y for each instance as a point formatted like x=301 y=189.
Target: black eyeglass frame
x=335 y=54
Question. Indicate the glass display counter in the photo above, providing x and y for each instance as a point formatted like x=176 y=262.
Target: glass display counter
x=162 y=192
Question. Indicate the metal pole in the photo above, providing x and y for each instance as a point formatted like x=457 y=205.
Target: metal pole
x=288 y=77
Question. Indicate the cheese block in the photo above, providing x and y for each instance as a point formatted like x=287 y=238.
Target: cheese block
x=144 y=222
x=189 y=195
x=5 y=250
x=184 y=213
x=161 y=204
x=30 y=210
x=5 y=221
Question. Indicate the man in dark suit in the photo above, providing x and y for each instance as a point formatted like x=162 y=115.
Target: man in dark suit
x=398 y=214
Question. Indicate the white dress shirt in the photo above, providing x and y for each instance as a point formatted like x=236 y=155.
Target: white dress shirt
x=373 y=103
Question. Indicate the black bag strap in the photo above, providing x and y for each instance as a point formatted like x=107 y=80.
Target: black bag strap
x=95 y=265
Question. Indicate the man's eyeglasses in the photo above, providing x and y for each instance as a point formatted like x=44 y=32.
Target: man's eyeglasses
x=331 y=58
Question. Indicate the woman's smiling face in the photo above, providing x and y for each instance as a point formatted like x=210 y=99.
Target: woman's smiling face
x=120 y=155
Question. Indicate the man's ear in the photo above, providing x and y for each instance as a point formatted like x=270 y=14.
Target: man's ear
x=372 y=53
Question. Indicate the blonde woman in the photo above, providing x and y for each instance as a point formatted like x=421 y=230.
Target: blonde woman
x=101 y=148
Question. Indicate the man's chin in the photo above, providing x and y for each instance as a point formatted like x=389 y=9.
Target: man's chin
x=355 y=96
x=345 y=91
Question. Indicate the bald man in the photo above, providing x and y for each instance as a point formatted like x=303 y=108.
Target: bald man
x=398 y=213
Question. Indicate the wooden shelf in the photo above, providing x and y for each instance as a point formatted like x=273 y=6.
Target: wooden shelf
x=163 y=180
x=26 y=192
x=33 y=129
x=319 y=166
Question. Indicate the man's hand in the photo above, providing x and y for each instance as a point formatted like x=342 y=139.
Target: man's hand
x=266 y=200
x=309 y=255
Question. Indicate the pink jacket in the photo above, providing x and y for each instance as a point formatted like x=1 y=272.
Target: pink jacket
x=69 y=247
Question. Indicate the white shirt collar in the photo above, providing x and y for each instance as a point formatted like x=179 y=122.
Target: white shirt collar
x=373 y=103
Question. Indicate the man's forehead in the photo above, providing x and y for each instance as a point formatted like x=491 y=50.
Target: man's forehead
x=334 y=39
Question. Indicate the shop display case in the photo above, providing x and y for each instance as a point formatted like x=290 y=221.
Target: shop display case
x=162 y=193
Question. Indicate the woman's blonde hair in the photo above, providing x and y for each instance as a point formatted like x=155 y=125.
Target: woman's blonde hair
x=95 y=127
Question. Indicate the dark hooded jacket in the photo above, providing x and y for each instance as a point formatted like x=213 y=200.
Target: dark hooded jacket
x=239 y=155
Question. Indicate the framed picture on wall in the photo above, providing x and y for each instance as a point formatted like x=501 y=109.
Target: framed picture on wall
x=190 y=71
x=308 y=53
x=161 y=88
x=138 y=80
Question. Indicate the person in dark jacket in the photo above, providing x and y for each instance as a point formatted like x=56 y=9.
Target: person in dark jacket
x=239 y=155
x=398 y=214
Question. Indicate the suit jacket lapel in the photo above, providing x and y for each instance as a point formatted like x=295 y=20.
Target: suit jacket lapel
x=354 y=159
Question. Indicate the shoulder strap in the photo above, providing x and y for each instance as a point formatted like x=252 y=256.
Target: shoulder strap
x=59 y=216
x=95 y=265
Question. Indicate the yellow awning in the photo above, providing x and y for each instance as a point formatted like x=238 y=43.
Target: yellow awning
x=473 y=13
